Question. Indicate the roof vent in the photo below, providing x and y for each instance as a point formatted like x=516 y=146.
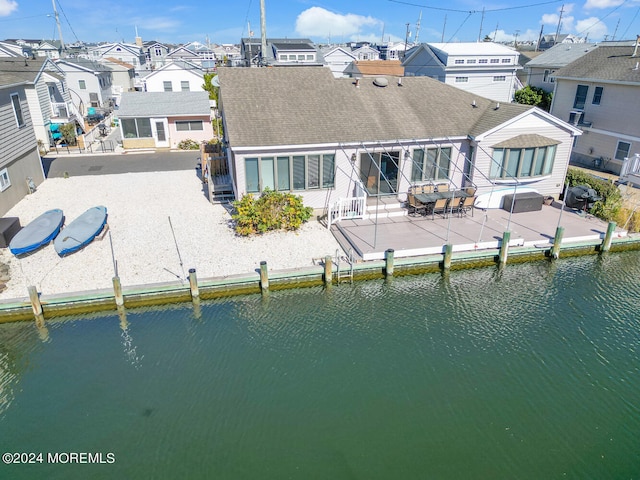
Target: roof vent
x=381 y=82
x=497 y=106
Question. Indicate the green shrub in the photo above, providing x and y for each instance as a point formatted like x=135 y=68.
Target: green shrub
x=188 y=144
x=609 y=207
x=271 y=211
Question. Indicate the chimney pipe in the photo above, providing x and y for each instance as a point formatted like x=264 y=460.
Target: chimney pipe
x=635 y=50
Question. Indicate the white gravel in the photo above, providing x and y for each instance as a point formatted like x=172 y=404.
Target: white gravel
x=139 y=206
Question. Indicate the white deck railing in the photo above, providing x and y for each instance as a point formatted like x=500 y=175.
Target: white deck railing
x=352 y=207
x=630 y=167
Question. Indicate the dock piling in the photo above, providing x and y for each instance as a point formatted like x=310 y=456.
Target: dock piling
x=557 y=243
x=448 y=252
x=328 y=270
x=117 y=290
x=264 y=277
x=388 y=262
x=504 y=247
x=606 y=243
x=193 y=284
x=34 y=298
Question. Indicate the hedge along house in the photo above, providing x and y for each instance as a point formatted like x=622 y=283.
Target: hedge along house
x=335 y=140
x=164 y=119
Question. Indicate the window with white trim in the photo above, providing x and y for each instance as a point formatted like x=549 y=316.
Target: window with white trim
x=499 y=78
x=462 y=79
x=622 y=150
x=82 y=84
x=189 y=125
x=17 y=109
x=168 y=87
x=512 y=163
x=597 y=95
x=5 y=181
x=459 y=62
x=431 y=164
x=495 y=60
x=471 y=60
x=290 y=172
x=184 y=85
x=581 y=96
x=506 y=60
x=483 y=60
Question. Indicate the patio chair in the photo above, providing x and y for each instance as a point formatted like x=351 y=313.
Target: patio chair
x=440 y=207
x=442 y=187
x=470 y=191
x=429 y=188
x=466 y=204
x=413 y=205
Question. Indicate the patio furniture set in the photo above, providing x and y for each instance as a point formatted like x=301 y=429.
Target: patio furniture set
x=440 y=199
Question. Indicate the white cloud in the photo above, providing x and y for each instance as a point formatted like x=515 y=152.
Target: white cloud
x=7 y=7
x=318 y=22
x=591 y=4
x=592 y=27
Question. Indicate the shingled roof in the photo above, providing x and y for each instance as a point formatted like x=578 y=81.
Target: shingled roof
x=605 y=63
x=162 y=104
x=307 y=105
x=14 y=70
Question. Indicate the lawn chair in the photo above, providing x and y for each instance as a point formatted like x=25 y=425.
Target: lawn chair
x=440 y=207
x=413 y=205
x=442 y=187
x=466 y=204
x=428 y=188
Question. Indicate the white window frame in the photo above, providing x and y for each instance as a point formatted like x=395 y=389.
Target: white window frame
x=458 y=61
x=462 y=80
x=191 y=125
x=17 y=109
x=506 y=60
x=618 y=148
x=5 y=181
x=471 y=60
x=483 y=60
x=165 y=84
x=500 y=78
x=82 y=84
x=183 y=84
x=495 y=60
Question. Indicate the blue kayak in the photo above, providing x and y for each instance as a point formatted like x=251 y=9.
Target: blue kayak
x=81 y=231
x=37 y=233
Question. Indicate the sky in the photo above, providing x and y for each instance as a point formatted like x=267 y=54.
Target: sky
x=323 y=21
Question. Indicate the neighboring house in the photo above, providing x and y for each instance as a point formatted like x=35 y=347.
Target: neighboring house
x=206 y=57
x=164 y=119
x=9 y=50
x=155 y=54
x=184 y=54
x=599 y=93
x=123 y=76
x=125 y=52
x=373 y=68
x=393 y=50
x=325 y=139
x=49 y=101
x=228 y=54
x=338 y=59
x=49 y=48
x=19 y=157
x=366 y=53
x=540 y=70
x=280 y=52
x=177 y=76
x=486 y=69
x=90 y=83
x=548 y=41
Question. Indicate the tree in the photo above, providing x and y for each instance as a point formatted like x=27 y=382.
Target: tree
x=209 y=87
x=534 y=96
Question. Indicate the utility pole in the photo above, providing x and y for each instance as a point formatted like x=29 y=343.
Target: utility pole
x=443 y=27
x=406 y=40
x=615 y=31
x=539 y=38
x=559 y=23
x=263 y=32
x=418 y=28
x=496 y=32
x=481 y=22
x=55 y=13
x=515 y=40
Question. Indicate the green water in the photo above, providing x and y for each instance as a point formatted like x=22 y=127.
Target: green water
x=531 y=372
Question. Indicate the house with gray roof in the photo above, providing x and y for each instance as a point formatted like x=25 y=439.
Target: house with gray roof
x=280 y=52
x=541 y=69
x=19 y=157
x=164 y=119
x=89 y=82
x=330 y=139
x=599 y=93
x=175 y=76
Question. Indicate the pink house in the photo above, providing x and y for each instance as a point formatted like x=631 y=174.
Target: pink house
x=164 y=119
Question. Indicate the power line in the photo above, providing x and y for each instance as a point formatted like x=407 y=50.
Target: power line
x=475 y=11
x=68 y=23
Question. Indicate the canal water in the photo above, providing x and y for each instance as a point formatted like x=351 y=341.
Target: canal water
x=528 y=372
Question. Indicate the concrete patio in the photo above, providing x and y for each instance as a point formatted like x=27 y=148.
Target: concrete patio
x=420 y=235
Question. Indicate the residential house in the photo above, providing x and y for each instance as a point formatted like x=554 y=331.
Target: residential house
x=540 y=70
x=372 y=68
x=366 y=52
x=228 y=54
x=90 y=83
x=155 y=54
x=176 y=76
x=326 y=139
x=9 y=50
x=19 y=157
x=338 y=59
x=49 y=48
x=393 y=50
x=548 y=41
x=280 y=52
x=183 y=54
x=206 y=57
x=49 y=101
x=126 y=52
x=599 y=93
x=486 y=69
x=123 y=77
x=164 y=119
